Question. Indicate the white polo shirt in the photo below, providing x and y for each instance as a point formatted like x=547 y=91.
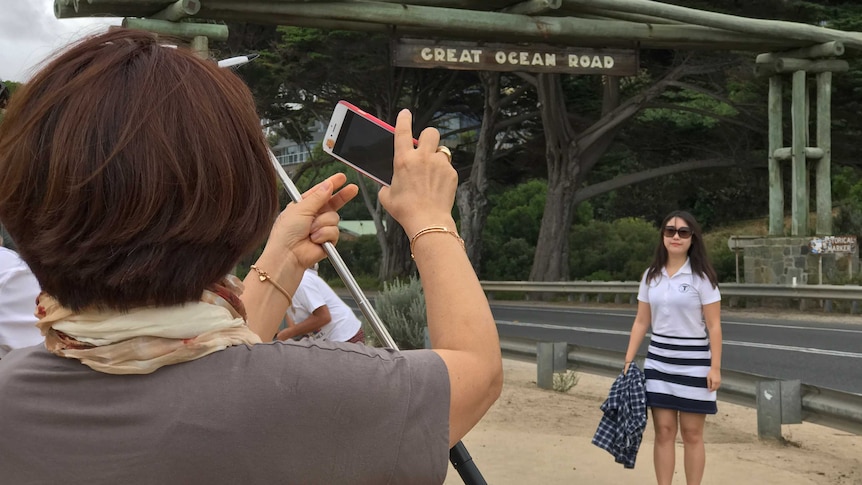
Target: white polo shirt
x=312 y=294
x=18 y=292
x=676 y=303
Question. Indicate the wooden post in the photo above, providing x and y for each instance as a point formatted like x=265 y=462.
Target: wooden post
x=776 y=141
x=824 y=142
x=799 y=206
x=200 y=46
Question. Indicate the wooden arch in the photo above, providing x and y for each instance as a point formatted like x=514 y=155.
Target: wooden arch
x=787 y=49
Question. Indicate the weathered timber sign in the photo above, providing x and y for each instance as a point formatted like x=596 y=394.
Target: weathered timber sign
x=476 y=56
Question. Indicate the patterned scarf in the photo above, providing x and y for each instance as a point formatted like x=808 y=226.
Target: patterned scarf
x=143 y=339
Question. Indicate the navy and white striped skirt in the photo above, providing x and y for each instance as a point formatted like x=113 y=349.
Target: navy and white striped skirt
x=676 y=369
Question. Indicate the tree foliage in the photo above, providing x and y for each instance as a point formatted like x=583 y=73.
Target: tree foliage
x=612 y=251
x=713 y=115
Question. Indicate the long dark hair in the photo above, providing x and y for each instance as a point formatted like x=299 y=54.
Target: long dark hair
x=700 y=264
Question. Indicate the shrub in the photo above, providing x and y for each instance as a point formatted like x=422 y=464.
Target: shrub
x=401 y=306
x=564 y=381
x=607 y=251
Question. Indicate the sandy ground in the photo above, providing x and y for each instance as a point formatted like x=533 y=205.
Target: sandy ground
x=534 y=436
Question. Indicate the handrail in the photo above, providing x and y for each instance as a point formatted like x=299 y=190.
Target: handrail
x=824 y=292
x=827 y=407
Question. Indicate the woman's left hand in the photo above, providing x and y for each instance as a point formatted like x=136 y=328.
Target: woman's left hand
x=713 y=379
x=303 y=227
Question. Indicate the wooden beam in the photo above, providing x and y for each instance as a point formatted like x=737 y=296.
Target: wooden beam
x=785 y=153
x=179 y=10
x=783 y=65
x=606 y=14
x=455 y=23
x=770 y=28
x=532 y=7
x=828 y=49
x=66 y=9
x=184 y=30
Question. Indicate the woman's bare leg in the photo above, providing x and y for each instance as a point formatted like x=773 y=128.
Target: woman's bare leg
x=691 y=425
x=664 y=449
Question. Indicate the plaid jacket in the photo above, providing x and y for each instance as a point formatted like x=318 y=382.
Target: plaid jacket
x=621 y=428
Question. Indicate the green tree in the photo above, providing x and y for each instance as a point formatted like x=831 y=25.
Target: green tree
x=619 y=250
x=304 y=72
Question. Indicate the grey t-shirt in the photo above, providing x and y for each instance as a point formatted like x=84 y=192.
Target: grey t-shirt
x=309 y=412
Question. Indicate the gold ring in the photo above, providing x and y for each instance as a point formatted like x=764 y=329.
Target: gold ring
x=445 y=151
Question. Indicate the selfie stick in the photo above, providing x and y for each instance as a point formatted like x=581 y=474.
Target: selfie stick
x=458 y=455
x=339 y=265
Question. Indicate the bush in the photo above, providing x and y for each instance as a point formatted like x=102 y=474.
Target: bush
x=607 y=251
x=361 y=255
x=401 y=306
x=564 y=381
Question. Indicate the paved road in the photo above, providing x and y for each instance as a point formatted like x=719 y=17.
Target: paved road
x=824 y=354
x=819 y=353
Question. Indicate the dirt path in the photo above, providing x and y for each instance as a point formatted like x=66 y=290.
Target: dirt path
x=533 y=436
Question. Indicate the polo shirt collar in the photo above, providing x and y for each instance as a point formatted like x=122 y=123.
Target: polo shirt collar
x=686 y=268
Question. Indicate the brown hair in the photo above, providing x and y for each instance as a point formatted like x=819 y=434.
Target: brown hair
x=133 y=174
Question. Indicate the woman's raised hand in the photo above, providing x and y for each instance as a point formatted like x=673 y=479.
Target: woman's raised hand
x=424 y=182
x=302 y=228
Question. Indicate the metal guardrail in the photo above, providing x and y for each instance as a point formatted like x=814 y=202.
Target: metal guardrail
x=827 y=407
x=828 y=293
x=822 y=292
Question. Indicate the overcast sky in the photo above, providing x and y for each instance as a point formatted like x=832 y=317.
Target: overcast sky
x=29 y=33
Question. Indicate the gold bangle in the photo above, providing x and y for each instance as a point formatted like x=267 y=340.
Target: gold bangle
x=264 y=276
x=431 y=229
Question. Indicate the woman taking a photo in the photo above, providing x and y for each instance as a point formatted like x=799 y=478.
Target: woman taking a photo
x=679 y=300
x=133 y=178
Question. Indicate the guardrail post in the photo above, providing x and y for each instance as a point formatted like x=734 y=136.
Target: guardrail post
x=827 y=306
x=551 y=357
x=769 y=410
x=778 y=402
x=854 y=307
x=791 y=401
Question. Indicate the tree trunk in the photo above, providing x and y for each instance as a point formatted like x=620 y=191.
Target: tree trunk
x=571 y=156
x=551 y=260
x=396 y=261
x=472 y=198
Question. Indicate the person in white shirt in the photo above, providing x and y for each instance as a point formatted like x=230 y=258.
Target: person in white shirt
x=18 y=292
x=317 y=310
x=680 y=301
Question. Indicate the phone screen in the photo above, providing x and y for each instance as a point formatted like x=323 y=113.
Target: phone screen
x=366 y=145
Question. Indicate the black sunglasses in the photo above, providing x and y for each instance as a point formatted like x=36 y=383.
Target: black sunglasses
x=684 y=232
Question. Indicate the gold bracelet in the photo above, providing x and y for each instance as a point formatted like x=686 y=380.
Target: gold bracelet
x=264 y=276
x=431 y=229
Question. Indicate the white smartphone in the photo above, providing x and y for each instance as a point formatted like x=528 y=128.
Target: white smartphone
x=362 y=141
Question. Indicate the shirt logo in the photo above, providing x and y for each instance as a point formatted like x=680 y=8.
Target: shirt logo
x=683 y=288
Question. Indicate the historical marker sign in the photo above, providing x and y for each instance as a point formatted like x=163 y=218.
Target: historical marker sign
x=833 y=244
x=476 y=56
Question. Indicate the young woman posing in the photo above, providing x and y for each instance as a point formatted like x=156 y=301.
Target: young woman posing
x=679 y=300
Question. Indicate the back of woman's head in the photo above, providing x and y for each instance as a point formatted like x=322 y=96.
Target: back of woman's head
x=132 y=173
